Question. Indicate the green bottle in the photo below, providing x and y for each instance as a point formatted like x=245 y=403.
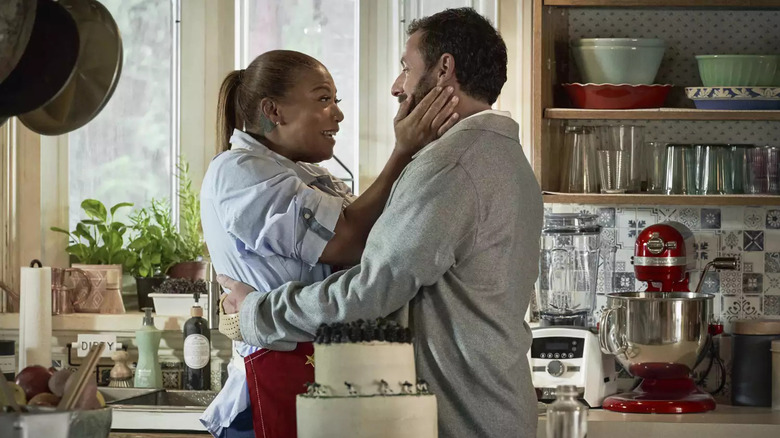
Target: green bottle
x=148 y=373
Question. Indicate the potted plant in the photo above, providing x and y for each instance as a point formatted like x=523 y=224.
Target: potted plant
x=191 y=246
x=97 y=246
x=176 y=296
x=153 y=248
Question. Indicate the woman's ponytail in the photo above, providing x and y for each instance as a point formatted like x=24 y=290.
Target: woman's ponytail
x=229 y=116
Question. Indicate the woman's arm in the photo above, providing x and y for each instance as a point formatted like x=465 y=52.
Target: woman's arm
x=427 y=121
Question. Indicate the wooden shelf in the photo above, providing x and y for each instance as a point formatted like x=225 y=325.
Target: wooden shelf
x=642 y=199
x=659 y=114
x=741 y=4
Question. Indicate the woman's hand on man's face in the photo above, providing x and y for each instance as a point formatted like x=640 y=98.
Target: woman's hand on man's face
x=238 y=292
x=431 y=118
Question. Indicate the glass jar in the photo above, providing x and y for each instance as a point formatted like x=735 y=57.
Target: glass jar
x=566 y=416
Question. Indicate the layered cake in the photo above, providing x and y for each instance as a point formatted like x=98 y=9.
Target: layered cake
x=365 y=385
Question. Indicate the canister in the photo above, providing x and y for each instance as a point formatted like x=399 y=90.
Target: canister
x=776 y=375
x=751 y=372
x=8 y=358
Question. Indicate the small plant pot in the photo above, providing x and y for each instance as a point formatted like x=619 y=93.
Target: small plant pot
x=191 y=270
x=176 y=304
x=145 y=286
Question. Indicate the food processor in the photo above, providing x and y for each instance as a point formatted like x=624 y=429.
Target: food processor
x=565 y=348
x=661 y=334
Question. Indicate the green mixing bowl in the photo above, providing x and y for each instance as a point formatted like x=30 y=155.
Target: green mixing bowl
x=632 y=61
x=739 y=70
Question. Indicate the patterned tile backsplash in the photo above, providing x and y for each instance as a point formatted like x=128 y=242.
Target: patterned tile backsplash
x=751 y=234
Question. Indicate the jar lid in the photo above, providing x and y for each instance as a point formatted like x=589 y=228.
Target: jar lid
x=757 y=327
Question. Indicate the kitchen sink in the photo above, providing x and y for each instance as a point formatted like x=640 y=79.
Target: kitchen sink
x=174 y=399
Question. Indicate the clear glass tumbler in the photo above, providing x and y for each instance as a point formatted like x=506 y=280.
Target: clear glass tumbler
x=737 y=180
x=757 y=177
x=579 y=171
x=655 y=166
x=680 y=170
x=630 y=140
x=614 y=171
x=713 y=170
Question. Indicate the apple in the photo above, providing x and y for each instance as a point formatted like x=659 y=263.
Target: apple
x=34 y=380
x=57 y=382
x=44 y=399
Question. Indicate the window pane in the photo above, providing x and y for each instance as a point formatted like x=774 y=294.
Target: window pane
x=124 y=154
x=326 y=30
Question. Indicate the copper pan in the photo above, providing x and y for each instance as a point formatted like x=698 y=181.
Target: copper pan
x=46 y=64
x=96 y=74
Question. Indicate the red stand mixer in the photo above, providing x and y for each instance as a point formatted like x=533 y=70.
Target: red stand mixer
x=662 y=333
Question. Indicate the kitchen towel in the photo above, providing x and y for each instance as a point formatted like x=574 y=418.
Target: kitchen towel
x=35 y=317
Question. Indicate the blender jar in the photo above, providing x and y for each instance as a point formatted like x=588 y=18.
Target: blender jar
x=568 y=269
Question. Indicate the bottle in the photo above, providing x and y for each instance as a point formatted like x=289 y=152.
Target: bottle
x=197 y=350
x=148 y=373
x=566 y=416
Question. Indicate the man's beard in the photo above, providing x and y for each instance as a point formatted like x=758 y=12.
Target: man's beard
x=422 y=89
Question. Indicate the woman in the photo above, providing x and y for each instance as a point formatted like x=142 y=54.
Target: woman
x=270 y=216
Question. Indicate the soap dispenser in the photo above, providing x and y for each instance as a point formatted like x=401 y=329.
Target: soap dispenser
x=197 y=350
x=148 y=373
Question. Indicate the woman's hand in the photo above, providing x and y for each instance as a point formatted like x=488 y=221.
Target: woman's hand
x=431 y=118
x=238 y=292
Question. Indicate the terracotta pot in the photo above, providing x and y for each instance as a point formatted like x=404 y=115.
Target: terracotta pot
x=192 y=270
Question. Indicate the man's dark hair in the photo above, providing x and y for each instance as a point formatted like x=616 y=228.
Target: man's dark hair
x=478 y=49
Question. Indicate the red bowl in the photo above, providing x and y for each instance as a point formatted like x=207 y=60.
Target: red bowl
x=623 y=96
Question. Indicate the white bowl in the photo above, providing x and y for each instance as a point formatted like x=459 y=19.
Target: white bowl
x=177 y=304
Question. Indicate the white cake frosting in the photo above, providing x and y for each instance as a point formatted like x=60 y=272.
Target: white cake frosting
x=367 y=407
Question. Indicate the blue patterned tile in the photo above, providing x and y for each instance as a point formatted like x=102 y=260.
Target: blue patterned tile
x=752 y=284
x=710 y=218
x=690 y=217
x=772 y=262
x=731 y=241
x=751 y=307
x=773 y=219
x=754 y=218
x=730 y=283
x=753 y=240
x=607 y=217
x=772 y=240
x=711 y=283
x=624 y=282
x=771 y=284
x=772 y=305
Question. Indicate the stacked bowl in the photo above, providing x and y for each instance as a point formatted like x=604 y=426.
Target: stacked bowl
x=618 y=73
x=737 y=82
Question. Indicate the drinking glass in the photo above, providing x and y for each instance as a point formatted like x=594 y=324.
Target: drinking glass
x=773 y=169
x=630 y=140
x=757 y=178
x=614 y=171
x=579 y=171
x=737 y=180
x=712 y=169
x=680 y=170
x=655 y=166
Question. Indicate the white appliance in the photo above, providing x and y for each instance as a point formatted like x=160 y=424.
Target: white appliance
x=568 y=355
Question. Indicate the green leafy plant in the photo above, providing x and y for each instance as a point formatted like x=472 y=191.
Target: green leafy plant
x=192 y=246
x=154 y=247
x=98 y=240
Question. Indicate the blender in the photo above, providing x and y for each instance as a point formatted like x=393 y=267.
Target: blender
x=565 y=347
x=661 y=334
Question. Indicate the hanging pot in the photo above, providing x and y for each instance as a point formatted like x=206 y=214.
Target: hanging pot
x=16 y=23
x=46 y=64
x=95 y=77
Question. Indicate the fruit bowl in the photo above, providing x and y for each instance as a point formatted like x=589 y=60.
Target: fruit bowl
x=617 y=96
x=42 y=421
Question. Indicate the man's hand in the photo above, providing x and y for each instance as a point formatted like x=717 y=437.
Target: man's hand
x=238 y=292
x=431 y=118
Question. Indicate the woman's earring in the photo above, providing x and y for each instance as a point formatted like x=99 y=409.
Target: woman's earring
x=277 y=123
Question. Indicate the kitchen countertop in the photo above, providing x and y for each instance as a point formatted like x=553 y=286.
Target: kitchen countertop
x=724 y=422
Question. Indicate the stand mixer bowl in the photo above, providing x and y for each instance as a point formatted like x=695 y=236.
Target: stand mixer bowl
x=656 y=335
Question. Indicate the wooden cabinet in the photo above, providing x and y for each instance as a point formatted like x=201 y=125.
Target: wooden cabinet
x=690 y=27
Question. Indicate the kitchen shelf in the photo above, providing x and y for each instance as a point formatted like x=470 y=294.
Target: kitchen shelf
x=658 y=114
x=741 y=4
x=643 y=199
x=97 y=322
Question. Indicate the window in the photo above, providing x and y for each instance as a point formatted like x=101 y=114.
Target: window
x=125 y=153
x=324 y=29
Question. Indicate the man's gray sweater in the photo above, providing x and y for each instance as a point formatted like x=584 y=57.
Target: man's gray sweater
x=459 y=242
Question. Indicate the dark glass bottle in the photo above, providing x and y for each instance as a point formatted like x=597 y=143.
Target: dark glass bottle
x=197 y=351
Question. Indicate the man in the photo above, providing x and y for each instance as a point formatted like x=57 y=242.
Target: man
x=458 y=241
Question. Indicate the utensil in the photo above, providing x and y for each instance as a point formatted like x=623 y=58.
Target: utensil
x=579 y=171
x=618 y=60
x=84 y=372
x=47 y=63
x=16 y=23
x=96 y=73
x=612 y=96
x=680 y=176
x=739 y=70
